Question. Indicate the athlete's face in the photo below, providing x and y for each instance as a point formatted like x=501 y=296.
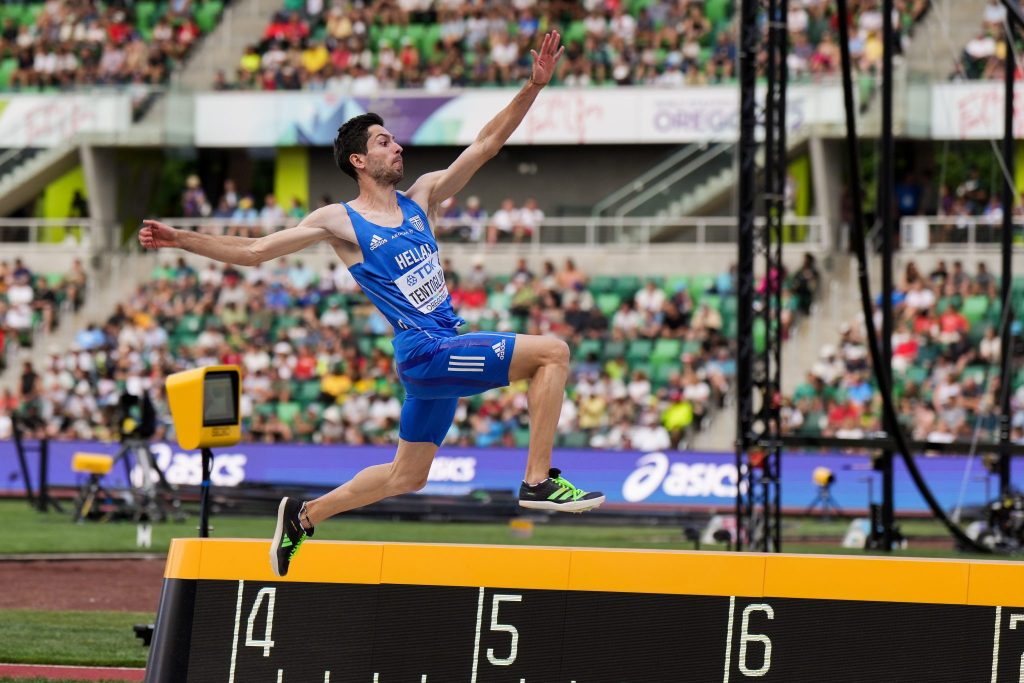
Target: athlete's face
x=383 y=157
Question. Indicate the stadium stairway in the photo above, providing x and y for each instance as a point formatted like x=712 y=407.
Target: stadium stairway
x=940 y=37
x=837 y=302
x=22 y=182
x=242 y=24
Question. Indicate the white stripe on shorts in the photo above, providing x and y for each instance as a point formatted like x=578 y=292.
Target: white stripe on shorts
x=466 y=357
x=451 y=369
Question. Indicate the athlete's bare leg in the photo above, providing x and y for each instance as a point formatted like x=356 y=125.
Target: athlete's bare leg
x=544 y=361
x=405 y=474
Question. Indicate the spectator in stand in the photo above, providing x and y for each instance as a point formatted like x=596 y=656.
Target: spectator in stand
x=503 y=223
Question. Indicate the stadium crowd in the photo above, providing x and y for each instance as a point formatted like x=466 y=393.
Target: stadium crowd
x=62 y=44
x=984 y=56
x=31 y=302
x=652 y=359
x=363 y=47
x=946 y=352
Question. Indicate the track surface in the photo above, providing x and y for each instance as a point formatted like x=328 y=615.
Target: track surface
x=80 y=585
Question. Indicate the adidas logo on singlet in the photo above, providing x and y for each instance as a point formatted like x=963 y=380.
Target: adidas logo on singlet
x=377 y=241
x=499 y=349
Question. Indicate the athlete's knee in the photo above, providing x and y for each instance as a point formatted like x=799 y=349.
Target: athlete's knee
x=557 y=354
x=403 y=480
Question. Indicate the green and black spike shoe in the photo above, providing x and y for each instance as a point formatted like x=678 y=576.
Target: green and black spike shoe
x=288 y=536
x=556 y=493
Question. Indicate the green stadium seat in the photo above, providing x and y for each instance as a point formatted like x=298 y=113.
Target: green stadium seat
x=614 y=349
x=663 y=372
x=499 y=301
x=307 y=391
x=587 y=347
x=639 y=350
x=666 y=350
x=601 y=284
x=974 y=309
x=627 y=286
x=385 y=345
x=718 y=11
x=7 y=69
x=287 y=410
x=145 y=14
x=608 y=303
x=208 y=14
x=759 y=335
x=30 y=13
x=576 y=440
x=713 y=301
x=700 y=284
x=522 y=438
x=575 y=33
x=189 y=324
x=675 y=283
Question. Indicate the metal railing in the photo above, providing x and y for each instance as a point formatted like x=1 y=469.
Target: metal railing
x=983 y=233
x=76 y=233
x=582 y=231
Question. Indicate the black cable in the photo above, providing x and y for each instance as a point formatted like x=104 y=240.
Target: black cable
x=857 y=237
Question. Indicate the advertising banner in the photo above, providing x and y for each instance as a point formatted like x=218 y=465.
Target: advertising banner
x=973 y=111
x=47 y=121
x=563 y=116
x=700 y=479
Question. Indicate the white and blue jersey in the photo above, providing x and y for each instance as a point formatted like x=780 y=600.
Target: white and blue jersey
x=401 y=274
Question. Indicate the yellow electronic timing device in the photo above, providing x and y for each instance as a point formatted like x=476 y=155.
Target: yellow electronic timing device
x=205 y=406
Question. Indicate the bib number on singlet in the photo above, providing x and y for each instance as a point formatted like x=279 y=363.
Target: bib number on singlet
x=424 y=286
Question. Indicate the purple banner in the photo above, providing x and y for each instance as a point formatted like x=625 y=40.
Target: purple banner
x=698 y=479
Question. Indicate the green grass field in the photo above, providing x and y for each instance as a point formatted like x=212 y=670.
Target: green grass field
x=84 y=638
x=55 y=533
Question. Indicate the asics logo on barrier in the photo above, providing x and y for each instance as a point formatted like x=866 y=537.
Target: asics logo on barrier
x=499 y=350
x=466 y=364
x=377 y=241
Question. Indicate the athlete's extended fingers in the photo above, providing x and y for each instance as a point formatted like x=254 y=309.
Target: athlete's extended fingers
x=558 y=55
x=553 y=45
x=544 y=43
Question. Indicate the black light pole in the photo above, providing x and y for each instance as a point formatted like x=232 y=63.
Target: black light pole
x=745 y=260
x=1006 y=339
x=886 y=182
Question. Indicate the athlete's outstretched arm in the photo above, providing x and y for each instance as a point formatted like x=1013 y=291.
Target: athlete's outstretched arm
x=242 y=251
x=440 y=185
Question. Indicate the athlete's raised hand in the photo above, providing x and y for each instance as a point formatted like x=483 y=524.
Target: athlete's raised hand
x=544 y=61
x=157 y=235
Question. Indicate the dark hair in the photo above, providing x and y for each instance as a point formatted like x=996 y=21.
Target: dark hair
x=352 y=137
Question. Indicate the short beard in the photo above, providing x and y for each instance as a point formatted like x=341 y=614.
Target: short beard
x=386 y=176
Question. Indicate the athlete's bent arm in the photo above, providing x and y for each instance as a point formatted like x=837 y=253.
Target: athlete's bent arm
x=438 y=186
x=242 y=251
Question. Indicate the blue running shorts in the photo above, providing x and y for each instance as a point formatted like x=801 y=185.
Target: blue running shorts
x=438 y=367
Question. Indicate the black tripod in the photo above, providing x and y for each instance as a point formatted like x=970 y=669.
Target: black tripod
x=825 y=501
x=152 y=496
x=41 y=500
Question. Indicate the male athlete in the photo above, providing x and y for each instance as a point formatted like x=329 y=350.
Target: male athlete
x=385 y=239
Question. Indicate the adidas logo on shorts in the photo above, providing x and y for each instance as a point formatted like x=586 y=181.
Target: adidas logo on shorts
x=499 y=350
x=377 y=241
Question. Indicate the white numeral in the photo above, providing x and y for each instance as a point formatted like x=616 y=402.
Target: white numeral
x=757 y=638
x=270 y=595
x=1014 y=618
x=506 y=628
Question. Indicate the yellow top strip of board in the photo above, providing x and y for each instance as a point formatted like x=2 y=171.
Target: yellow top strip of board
x=815 y=577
